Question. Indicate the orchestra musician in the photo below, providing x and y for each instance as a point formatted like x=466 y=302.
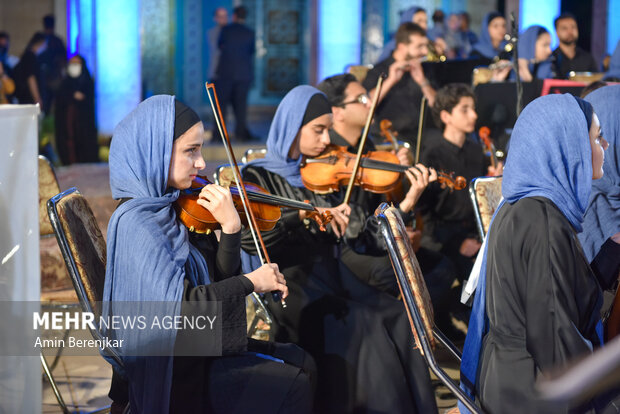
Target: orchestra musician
x=538 y=299
x=156 y=153
x=359 y=337
x=350 y=107
x=406 y=82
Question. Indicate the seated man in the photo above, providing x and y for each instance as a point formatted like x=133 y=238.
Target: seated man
x=350 y=106
x=568 y=56
x=449 y=221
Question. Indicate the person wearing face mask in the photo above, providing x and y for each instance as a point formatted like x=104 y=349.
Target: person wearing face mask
x=406 y=83
x=7 y=86
x=26 y=72
x=538 y=298
x=76 y=132
x=9 y=61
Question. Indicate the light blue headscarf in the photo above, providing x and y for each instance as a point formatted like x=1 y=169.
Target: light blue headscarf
x=405 y=16
x=527 y=50
x=284 y=128
x=602 y=218
x=550 y=156
x=148 y=248
x=485 y=45
x=614 y=64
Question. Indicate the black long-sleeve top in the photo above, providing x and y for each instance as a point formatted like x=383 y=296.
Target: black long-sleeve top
x=449 y=215
x=543 y=303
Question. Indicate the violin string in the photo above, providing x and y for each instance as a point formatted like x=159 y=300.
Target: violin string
x=245 y=207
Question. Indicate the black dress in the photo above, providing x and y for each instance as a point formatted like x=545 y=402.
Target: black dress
x=543 y=301
x=360 y=338
x=239 y=381
x=76 y=132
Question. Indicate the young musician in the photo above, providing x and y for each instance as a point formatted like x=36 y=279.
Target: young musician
x=538 y=300
x=359 y=337
x=350 y=107
x=156 y=153
x=406 y=82
x=449 y=222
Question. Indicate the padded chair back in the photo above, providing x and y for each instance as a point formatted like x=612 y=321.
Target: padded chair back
x=409 y=276
x=48 y=188
x=486 y=194
x=416 y=298
x=253 y=154
x=84 y=250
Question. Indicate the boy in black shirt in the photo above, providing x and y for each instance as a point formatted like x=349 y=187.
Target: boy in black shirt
x=449 y=222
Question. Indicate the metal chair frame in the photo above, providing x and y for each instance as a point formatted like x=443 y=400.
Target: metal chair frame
x=52 y=210
x=414 y=313
x=261 y=152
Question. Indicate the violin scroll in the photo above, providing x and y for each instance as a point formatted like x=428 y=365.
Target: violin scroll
x=321 y=218
x=448 y=180
x=386 y=130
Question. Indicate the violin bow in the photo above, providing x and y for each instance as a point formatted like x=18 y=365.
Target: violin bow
x=256 y=235
x=362 y=142
x=420 y=126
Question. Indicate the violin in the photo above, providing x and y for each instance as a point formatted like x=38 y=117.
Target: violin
x=485 y=136
x=386 y=131
x=264 y=206
x=379 y=172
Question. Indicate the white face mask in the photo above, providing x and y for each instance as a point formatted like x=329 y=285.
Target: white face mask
x=74 y=70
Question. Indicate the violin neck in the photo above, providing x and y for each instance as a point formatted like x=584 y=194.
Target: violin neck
x=275 y=200
x=383 y=165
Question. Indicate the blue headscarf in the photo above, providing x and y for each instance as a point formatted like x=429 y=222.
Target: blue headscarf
x=602 y=218
x=148 y=249
x=551 y=139
x=527 y=51
x=405 y=17
x=284 y=128
x=614 y=64
x=485 y=45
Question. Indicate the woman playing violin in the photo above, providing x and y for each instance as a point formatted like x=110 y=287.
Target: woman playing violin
x=155 y=153
x=358 y=336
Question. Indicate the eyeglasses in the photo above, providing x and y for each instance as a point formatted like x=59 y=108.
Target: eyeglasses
x=361 y=98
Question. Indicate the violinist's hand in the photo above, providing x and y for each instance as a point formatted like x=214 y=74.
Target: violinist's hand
x=497 y=171
x=79 y=96
x=219 y=202
x=419 y=177
x=268 y=278
x=340 y=217
x=469 y=247
x=403 y=155
x=616 y=237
